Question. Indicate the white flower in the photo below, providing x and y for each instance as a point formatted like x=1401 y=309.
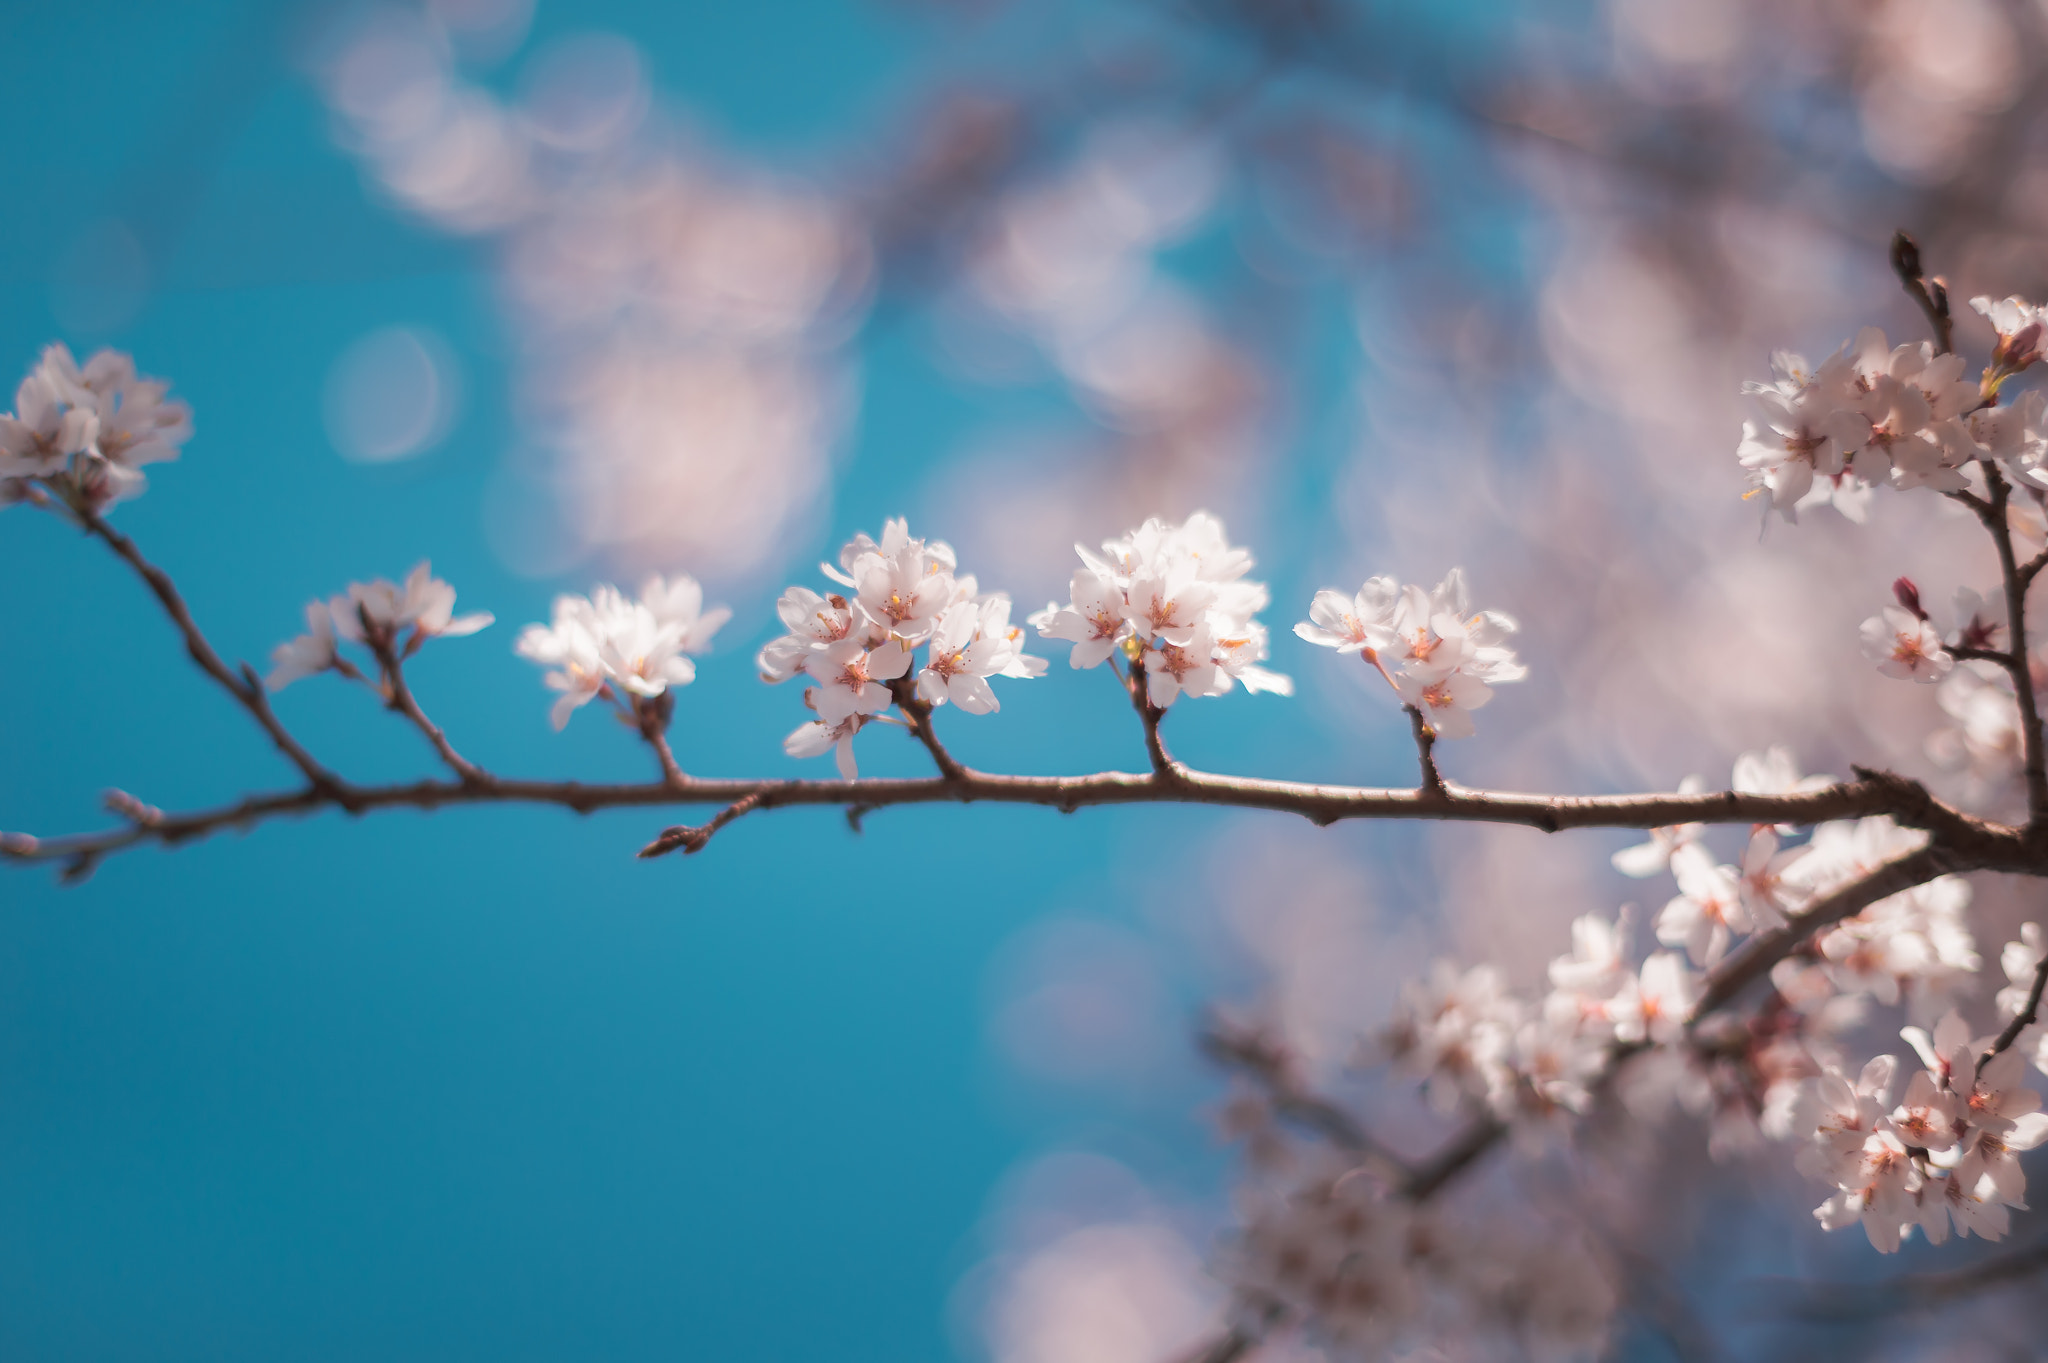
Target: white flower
x=818 y=738
x=1351 y=624
x=1446 y=703
x=1173 y=597
x=813 y=622
x=425 y=604
x=1707 y=910
x=677 y=604
x=1905 y=646
x=569 y=645
x=901 y=585
x=1442 y=658
x=2020 y=960
x=1766 y=894
x=2019 y=327
x=1093 y=621
x=851 y=678
x=958 y=661
x=607 y=640
x=309 y=653
x=1189 y=668
x=42 y=434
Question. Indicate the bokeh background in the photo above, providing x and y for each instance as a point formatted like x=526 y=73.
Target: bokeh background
x=555 y=293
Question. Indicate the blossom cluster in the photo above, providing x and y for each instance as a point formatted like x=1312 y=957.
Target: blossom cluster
x=373 y=614
x=626 y=650
x=87 y=431
x=1174 y=600
x=1873 y=414
x=1534 y=1063
x=1442 y=658
x=1945 y=1155
x=899 y=593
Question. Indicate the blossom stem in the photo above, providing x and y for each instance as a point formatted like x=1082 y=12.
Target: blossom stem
x=917 y=714
x=400 y=698
x=1425 y=749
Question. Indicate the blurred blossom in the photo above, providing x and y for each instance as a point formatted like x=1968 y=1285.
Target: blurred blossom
x=680 y=319
x=393 y=394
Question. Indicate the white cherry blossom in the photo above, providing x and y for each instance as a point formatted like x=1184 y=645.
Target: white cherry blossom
x=1905 y=646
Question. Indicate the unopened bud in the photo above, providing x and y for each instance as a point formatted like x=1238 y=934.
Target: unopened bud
x=1909 y=596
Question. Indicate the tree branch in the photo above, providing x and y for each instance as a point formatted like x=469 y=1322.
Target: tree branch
x=1982 y=844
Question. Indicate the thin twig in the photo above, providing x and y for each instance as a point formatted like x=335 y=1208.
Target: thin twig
x=400 y=699
x=691 y=840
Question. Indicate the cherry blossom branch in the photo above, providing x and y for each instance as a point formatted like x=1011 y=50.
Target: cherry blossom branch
x=1988 y=845
x=245 y=687
x=1754 y=959
x=1931 y=295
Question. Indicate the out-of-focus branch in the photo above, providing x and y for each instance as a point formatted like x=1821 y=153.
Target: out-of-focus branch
x=245 y=686
x=1266 y=1061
